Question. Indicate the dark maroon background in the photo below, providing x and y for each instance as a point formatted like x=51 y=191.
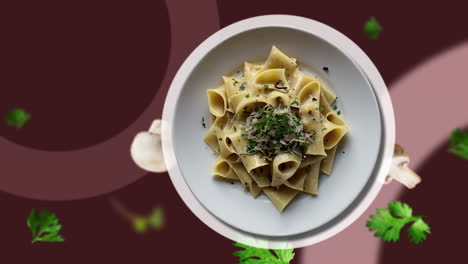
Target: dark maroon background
x=87 y=69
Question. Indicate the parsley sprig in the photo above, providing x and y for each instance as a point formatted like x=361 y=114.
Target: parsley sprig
x=44 y=226
x=253 y=255
x=389 y=222
x=459 y=143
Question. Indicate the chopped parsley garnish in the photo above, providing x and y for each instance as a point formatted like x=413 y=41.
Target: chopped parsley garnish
x=234 y=82
x=295 y=102
x=321 y=108
x=242 y=87
x=339 y=112
x=265 y=88
x=335 y=107
x=247 y=96
x=203 y=122
x=271 y=130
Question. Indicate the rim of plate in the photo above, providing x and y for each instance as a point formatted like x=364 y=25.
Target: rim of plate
x=350 y=49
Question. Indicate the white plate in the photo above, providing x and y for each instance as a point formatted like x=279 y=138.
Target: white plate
x=187 y=104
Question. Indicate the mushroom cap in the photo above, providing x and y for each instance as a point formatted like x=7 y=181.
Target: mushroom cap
x=146 y=149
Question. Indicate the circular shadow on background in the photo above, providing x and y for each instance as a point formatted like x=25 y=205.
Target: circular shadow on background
x=84 y=70
x=442 y=199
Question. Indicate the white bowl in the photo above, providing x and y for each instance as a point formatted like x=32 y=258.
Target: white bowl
x=357 y=173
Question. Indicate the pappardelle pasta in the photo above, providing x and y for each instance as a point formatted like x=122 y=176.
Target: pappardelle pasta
x=274 y=129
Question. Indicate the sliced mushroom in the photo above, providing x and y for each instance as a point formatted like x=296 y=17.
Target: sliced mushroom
x=146 y=150
x=399 y=169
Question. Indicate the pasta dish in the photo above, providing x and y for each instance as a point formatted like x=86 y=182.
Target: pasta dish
x=274 y=129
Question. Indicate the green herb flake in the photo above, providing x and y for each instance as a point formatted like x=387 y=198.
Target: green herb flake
x=156 y=218
x=389 y=223
x=372 y=28
x=139 y=224
x=459 y=143
x=295 y=102
x=265 y=88
x=234 y=82
x=247 y=96
x=253 y=255
x=17 y=118
x=335 y=107
x=321 y=108
x=338 y=113
x=242 y=87
x=203 y=122
x=155 y=221
x=44 y=226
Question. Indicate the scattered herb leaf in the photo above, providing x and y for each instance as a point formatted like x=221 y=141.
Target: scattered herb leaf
x=339 y=112
x=372 y=28
x=459 y=143
x=203 y=122
x=17 y=118
x=44 y=226
x=234 y=82
x=253 y=255
x=335 y=107
x=155 y=221
x=295 y=102
x=242 y=87
x=247 y=96
x=139 y=224
x=389 y=222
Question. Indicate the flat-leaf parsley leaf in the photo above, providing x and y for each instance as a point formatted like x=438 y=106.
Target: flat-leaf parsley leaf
x=253 y=255
x=459 y=143
x=44 y=226
x=389 y=222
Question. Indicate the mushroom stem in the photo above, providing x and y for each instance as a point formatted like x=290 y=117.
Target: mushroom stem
x=400 y=171
x=155 y=127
